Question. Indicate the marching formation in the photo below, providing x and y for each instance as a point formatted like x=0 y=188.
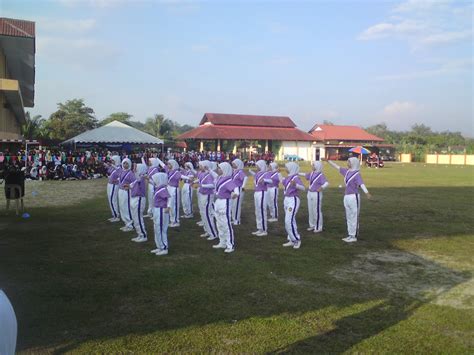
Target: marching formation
x=220 y=189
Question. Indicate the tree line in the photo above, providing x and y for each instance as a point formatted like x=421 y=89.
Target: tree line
x=422 y=140
x=74 y=117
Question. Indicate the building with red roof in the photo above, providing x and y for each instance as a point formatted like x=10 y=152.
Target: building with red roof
x=17 y=76
x=250 y=133
x=334 y=141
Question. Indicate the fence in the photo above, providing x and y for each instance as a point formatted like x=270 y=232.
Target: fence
x=450 y=159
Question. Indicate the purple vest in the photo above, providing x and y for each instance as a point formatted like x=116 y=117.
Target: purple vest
x=352 y=179
x=224 y=187
x=274 y=175
x=160 y=197
x=174 y=176
x=204 y=179
x=114 y=175
x=289 y=190
x=316 y=180
x=261 y=185
x=138 y=187
x=190 y=174
x=238 y=177
x=126 y=177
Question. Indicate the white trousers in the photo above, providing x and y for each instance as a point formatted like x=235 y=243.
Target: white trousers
x=112 y=196
x=352 y=206
x=173 y=204
x=223 y=210
x=237 y=206
x=291 y=205
x=138 y=205
x=206 y=209
x=260 y=200
x=315 y=207
x=151 y=191
x=272 y=201
x=125 y=207
x=160 y=223
x=8 y=326
x=187 y=199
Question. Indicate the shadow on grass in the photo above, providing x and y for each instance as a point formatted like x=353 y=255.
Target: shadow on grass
x=73 y=278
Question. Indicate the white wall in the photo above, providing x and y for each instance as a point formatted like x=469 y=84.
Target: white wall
x=304 y=150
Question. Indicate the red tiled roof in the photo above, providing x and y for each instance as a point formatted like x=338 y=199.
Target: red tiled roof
x=247 y=120
x=342 y=133
x=247 y=133
x=16 y=28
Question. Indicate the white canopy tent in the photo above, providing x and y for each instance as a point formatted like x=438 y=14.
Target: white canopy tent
x=113 y=133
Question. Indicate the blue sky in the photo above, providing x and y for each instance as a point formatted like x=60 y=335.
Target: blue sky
x=349 y=62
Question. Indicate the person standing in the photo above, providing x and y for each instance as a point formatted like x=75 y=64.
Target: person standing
x=273 y=188
x=126 y=177
x=152 y=170
x=262 y=180
x=353 y=180
x=160 y=213
x=292 y=184
x=206 y=200
x=187 y=190
x=138 y=202
x=113 y=173
x=317 y=183
x=240 y=179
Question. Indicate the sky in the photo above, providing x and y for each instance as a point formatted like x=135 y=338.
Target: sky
x=348 y=62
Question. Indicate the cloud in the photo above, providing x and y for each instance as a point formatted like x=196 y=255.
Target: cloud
x=401 y=109
x=449 y=67
x=424 y=23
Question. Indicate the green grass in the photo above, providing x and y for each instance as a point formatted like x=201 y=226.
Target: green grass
x=79 y=285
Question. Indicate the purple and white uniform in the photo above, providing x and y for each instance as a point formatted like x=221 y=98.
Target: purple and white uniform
x=206 y=200
x=291 y=202
x=239 y=178
x=138 y=201
x=126 y=178
x=160 y=214
x=174 y=177
x=152 y=170
x=317 y=182
x=225 y=187
x=261 y=180
x=187 y=190
x=273 y=189
x=114 y=173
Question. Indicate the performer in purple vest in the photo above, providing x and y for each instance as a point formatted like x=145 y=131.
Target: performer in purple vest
x=317 y=183
x=353 y=181
x=240 y=179
x=226 y=190
x=113 y=173
x=126 y=177
x=152 y=170
x=206 y=200
x=187 y=190
x=272 y=199
x=138 y=202
x=160 y=213
x=261 y=180
x=291 y=185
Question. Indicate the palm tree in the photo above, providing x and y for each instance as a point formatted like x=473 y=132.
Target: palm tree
x=32 y=127
x=153 y=125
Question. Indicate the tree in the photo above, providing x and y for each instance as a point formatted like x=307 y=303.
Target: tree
x=72 y=118
x=153 y=125
x=117 y=116
x=421 y=130
x=32 y=129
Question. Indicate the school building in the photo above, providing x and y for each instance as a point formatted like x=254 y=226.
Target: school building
x=250 y=134
x=334 y=142
x=17 y=78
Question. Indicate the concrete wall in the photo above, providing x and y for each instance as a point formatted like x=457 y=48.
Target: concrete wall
x=453 y=159
x=405 y=158
x=304 y=150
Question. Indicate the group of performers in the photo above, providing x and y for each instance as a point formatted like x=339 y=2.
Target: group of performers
x=220 y=190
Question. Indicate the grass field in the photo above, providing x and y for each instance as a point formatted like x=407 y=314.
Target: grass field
x=78 y=284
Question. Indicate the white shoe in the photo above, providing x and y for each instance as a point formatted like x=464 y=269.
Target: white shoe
x=346 y=239
x=154 y=251
x=147 y=215
x=200 y=223
x=174 y=225
x=141 y=240
x=350 y=239
x=211 y=238
x=257 y=232
x=310 y=229
x=135 y=239
x=229 y=250
x=204 y=235
x=188 y=216
x=289 y=244
x=127 y=229
x=272 y=220
x=318 y=231
x=122 y=228
x=151 y=216
x=114 y=220
x=162 y=252
x=219 y=246
x=236 y=223
x=297 y=245
x=261 y=234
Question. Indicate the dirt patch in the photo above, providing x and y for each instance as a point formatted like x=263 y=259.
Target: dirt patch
x=59 y=193
x=406 y=273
